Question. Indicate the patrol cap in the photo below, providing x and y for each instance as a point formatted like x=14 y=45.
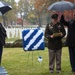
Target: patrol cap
x=54 y=16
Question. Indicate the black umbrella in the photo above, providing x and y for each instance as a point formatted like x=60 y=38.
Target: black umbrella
x=4 y=7
x=61 y=6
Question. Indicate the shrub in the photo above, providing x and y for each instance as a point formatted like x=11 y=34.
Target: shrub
x=64 y=42
x=17 y=43
x=8 y=45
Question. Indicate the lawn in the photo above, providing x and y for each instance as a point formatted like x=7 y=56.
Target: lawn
x=11 y=39
x=18 y=62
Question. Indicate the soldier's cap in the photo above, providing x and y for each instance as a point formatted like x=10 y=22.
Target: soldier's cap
x=54 y=16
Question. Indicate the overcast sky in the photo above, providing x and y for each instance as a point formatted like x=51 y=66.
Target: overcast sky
x=16 y=0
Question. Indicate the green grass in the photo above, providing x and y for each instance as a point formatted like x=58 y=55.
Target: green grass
x=16 y=62
x=11 y=39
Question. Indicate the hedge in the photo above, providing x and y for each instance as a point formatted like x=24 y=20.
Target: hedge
x=19 y=43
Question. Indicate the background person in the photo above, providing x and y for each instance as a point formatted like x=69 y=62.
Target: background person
x=2 y=40
x=70 y=42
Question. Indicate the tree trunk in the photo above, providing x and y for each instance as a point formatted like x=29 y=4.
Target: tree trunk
x=39 y=19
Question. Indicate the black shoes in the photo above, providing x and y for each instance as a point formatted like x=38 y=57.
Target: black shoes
x=58 y=71
x=51 y=71
x=73 y=72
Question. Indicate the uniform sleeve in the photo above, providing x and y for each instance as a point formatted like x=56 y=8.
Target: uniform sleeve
x=47 y=32
x=62 y=20
x=63 y=31
x=3 y=30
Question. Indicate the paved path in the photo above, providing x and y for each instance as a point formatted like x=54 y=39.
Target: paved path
x=3 y=71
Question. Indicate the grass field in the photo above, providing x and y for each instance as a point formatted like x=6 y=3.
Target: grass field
x=18 y=62
x=11 y=39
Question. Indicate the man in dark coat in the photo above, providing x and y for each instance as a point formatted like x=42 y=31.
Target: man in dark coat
x=2 y=40
x=54 y=32
x=70 y=39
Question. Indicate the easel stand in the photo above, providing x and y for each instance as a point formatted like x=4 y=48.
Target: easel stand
x=39 y=59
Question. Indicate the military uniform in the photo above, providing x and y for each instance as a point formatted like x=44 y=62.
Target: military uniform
x=54 y=44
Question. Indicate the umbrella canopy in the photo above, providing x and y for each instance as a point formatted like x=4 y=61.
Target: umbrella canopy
x=61 y=6
x=4 y=7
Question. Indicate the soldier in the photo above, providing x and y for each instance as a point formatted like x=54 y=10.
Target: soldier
x=54 y=32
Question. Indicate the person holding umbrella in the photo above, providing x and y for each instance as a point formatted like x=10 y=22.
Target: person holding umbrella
x=4 y=8
x=54 y=32
x=70 y=42
x=62 y=6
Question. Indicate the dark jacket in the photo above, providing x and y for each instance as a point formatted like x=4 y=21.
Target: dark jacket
x=71 y=31
x=54 y=43
x=2 y=35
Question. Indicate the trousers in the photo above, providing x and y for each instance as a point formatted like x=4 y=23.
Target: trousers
x=72 y=57
x=55 y=55
x=1 y=51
